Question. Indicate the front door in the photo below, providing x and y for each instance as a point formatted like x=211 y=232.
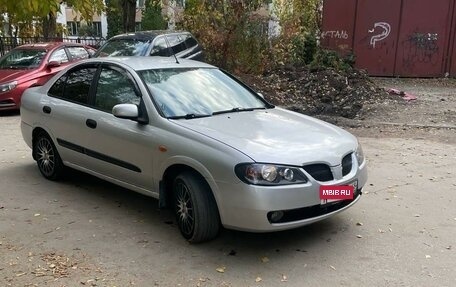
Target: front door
x=118 y=148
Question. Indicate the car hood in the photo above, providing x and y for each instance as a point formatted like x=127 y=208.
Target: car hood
x=8 y=75
x=277 y=136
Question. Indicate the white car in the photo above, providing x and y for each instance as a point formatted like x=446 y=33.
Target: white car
x=197 y=139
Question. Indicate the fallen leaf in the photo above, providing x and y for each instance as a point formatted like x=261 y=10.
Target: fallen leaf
x=36 y=214
x=428 y=256
x=264 y=259
x=332 y=267
x=258 y=279
x=359 y=224
x=417 y=215
x=221 y=269
x=284 y=278
x=448 y=247
x=359 y=236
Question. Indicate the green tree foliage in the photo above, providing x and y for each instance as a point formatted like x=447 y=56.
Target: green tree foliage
x=114 y=17
x=46 y=11
x=121 y=16
x=152 y=18
x=232 y=33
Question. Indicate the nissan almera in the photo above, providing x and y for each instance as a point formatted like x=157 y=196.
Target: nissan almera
x=195 y=138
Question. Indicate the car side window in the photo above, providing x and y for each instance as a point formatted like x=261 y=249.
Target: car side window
x=77 y=85
x=176 y=43
x=160 y=48
x=78 y=53
x=59 y=56
x=189 y=41
x=114 y=87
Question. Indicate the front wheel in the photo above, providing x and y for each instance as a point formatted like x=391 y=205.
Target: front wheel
x=196 y=210
x=47 y=157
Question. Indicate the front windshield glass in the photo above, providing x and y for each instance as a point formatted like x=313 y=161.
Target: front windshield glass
x=123 y=47
x=198 y=92
x=22 y=59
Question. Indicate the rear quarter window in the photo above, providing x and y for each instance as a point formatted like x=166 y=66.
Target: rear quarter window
x=78 y=53
x=189 y=41
x=176 y=43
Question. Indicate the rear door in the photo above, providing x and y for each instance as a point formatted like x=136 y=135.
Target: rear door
x=65 y=109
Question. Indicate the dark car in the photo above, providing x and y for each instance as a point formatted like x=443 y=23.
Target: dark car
x=153 y=43
x=33 y=65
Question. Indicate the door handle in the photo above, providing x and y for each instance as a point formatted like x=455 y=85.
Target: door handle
x=46 y=109
x=91 y=123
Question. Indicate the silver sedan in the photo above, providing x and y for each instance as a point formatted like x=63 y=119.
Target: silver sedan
x=197 y=139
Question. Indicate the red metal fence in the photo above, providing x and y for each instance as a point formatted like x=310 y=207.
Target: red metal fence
x=409 y=38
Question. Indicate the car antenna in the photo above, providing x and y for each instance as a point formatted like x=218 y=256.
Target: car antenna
x=177 y=61
x=170 y=49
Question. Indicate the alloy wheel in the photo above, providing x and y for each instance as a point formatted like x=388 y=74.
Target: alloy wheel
x=45 y=156
x=184 y=209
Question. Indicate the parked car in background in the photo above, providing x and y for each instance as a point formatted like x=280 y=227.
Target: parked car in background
x=153 y=43
x=33 y=65
x=197 y=139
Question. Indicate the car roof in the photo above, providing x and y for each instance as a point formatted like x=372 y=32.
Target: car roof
x=139 y=63
x=48 y=45
x=147 y=35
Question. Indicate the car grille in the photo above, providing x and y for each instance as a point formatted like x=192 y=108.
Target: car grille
x=320 y=172
x=346 y=164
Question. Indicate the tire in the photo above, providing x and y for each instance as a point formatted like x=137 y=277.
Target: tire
x=195 y=207
x=47 y=157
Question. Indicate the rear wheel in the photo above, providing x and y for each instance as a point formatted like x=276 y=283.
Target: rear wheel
x=47 y=157
x=195 y=207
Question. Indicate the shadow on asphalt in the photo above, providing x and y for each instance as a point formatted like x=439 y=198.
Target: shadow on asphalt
x=12 y=113
x=108 y=199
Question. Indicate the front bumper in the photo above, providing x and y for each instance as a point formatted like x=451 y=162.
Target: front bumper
x=246 y=207
x=10 y=100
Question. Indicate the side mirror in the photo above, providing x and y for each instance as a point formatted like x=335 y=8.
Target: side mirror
x=126 y=111
x=53 y=64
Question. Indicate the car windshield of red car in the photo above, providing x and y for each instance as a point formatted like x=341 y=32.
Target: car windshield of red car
x=22 y=59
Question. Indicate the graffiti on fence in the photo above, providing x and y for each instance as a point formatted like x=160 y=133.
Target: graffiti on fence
x=382 y=35
x=335 y=34
x=421 y=48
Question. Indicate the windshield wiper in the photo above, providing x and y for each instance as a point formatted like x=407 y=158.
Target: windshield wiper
x=189 y=116
x=235 y=110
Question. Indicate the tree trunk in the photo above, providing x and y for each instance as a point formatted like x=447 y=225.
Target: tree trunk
x=129 y=14
x=49 y=26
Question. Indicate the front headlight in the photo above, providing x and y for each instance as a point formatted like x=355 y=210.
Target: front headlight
x=8 y=86
x=269 y=174
x=359 y=154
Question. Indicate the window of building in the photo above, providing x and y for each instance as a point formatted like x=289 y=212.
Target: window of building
x=73 y=28
x=96 y=28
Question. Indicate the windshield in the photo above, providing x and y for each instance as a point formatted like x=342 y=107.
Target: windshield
x=123 y=47
x=22 y=59
x=196 y=92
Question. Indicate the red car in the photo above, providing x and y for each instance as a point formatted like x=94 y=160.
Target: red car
x=33 y=65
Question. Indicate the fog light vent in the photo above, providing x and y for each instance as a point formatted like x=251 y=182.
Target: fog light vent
x=275 y=216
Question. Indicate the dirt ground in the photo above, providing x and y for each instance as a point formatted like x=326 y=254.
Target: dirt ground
x=86 y=232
